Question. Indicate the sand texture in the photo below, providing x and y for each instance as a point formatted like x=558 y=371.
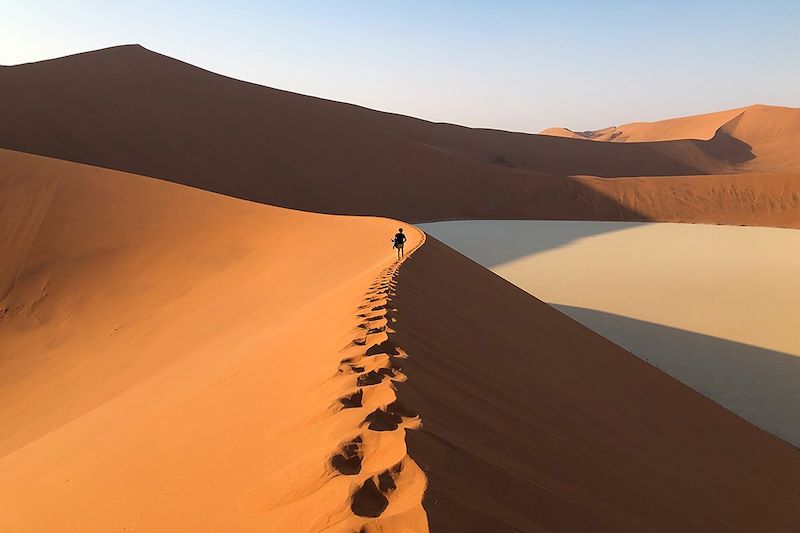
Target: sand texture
x=534 y=423
x=175 y=360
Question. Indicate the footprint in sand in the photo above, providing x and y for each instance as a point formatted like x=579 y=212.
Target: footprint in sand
x=371 y=500
x=373 y=377
x=352 y=401
x=348 y=461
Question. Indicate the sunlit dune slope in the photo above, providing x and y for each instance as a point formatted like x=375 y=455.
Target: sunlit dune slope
x=533 y=423
x=566 y=132
x=774 y=134
x=770 y=133
x=170 y=361
x=559 y=131
x=699 y=127
x=131 y=109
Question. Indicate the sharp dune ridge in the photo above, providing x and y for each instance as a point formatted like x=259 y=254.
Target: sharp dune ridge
x=163 y=369
x=713 y=306
x=134 y=110
x=698 y=127
x=532 y=423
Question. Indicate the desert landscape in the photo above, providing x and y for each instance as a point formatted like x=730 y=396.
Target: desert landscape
x=711 y=305
x=204 y=325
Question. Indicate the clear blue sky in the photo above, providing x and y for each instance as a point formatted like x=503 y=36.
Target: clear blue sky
x=504 y=64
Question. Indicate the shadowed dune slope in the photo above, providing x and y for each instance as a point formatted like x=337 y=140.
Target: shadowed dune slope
x=534 y=423
x=170 y=361
x=754 y=199
x=130 y=109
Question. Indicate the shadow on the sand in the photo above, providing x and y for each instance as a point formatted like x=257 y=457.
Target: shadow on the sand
x=758 y=384
x=494 y=242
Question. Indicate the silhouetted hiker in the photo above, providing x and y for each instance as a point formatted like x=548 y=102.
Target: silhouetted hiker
x=399 y=240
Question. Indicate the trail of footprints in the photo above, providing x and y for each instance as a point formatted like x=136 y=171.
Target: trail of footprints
x=380 y=437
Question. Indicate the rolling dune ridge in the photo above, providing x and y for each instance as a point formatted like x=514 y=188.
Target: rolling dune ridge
x=131 y=109
x=171 y=361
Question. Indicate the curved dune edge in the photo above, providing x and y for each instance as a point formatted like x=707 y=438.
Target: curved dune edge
x=535 y=423
x=652 y=293
x=171 y=361
x=386 y=485
x=758 y=119
x=699 y=127
x=392 y=498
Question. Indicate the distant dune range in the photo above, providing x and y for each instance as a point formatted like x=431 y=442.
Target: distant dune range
x=699 y=127
x=130 y=109
x=771 y=133
x=177 y=360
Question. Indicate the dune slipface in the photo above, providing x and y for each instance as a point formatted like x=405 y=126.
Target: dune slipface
x=532 y=422
x=130 y=109
x=714 y=306
x=175 y=360
x=700 y=127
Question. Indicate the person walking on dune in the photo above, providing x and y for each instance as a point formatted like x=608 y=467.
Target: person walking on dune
x=399 y=240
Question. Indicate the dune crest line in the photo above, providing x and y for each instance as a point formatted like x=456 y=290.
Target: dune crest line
x=388 y=485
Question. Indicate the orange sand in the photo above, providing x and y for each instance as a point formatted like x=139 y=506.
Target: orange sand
x=171 y=360
x=175 y=360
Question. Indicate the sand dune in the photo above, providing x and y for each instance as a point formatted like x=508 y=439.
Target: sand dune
x=195 y=362
x=774 y=134
x=700 y=127
x=130 y=109
x=715 y=306
x=559 y=131
x=171 y=361
x=771 y=133
x=531 y=423
x=754 y=199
